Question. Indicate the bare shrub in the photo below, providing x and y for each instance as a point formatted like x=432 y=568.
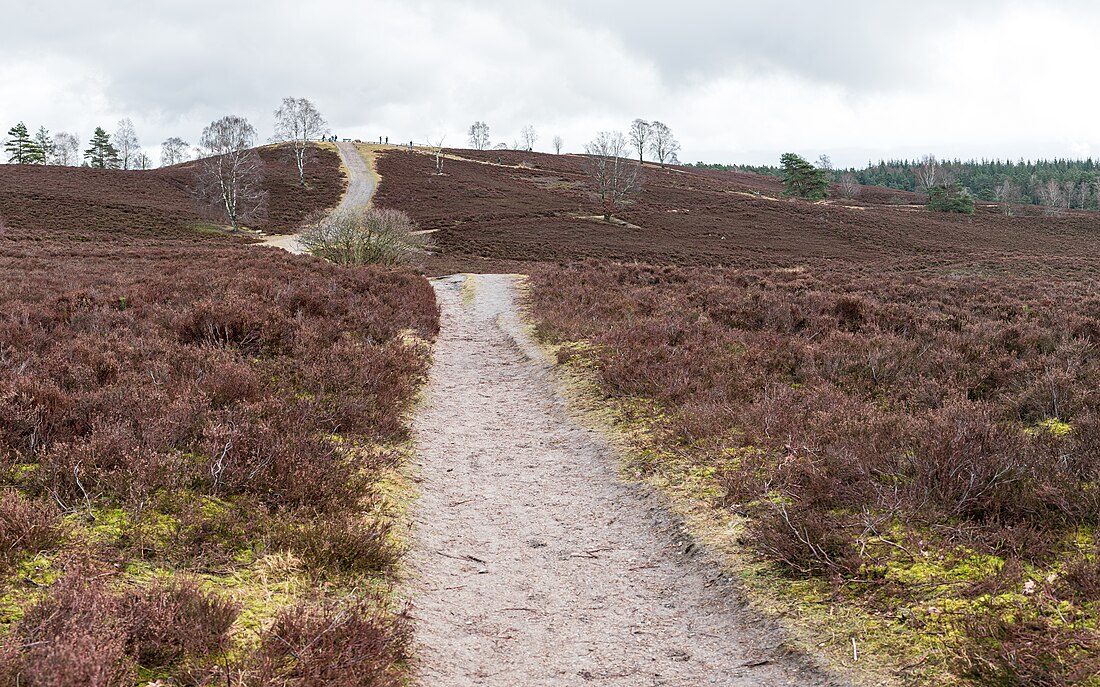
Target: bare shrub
x=1038 y=651
x=26 y=526
x=173 y=618
x=360 y=644
x=75 y=631
x=374 y=236
x=345 y=543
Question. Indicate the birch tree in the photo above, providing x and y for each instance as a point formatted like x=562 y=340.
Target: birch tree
x=173 y=151
x=1007 y=194
x=928 y=173
x=528 y=138
x=849 y=186
x=230 y=175
x=558 y=143
x=66 y=149
x=437 y=148
x=639 y=136
x=662 y=144
x=126 y=143
x=612 y=176
x=298 y=122
x=479 y=136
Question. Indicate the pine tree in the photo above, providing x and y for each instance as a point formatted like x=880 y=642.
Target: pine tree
x=20 y=146
x=802 y=179
x=43 y=146
x=101 y=154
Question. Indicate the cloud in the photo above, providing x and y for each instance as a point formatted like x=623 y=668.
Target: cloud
x=737 y=81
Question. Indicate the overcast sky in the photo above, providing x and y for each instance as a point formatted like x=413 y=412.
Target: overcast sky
x=737 y=81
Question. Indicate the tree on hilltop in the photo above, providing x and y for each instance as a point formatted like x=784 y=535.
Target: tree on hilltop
x=44 y=146
x=66 y=149
x=639 y=136
x=20 y=147
x=173 y=151
x=528 y=137
x=101 y=153
x=230 y=176
x=613 y=177
x=558 y=143
x=298 y=122
x=479 y=136
x=802 y=179
x=662 y=144
x=126 y=143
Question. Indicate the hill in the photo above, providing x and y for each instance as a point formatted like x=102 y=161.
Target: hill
x=77 y=201
x=496 y=210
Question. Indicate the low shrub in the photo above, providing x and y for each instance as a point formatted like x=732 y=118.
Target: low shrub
x=372 y=236
x=357 y=644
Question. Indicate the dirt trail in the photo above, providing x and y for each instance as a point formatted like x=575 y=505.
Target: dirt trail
x=536 y=565
x=360 y=190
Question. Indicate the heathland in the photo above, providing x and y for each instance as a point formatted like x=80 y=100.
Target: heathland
x=198 y=438
x=886 y=416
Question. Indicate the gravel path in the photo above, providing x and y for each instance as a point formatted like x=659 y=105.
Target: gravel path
x=535 y=564
x=358 y=195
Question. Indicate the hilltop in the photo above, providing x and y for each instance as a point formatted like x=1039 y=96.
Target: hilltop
x=81 y=202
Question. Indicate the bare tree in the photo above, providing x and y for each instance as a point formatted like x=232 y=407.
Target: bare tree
x=928 y=173
x=298 y=122
x=479 y=136
x=371 y=236
x=1007 y=194
x=437 y=148
x=231 y=173
x=825 y=162
x=173 y=151
x=1050 y=195
x=1084 y=195
x=613 y=177
x=1069 y=194
x=501 y=146
x=558 y=143
x=142 y=160
x=639 y=136
x=662 y=144
x=849 y=186
x=126 y=143
x=66 y=149
x=528 y=137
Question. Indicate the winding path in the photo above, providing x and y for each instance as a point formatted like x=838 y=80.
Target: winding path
x=358 y=194
x=536 y=564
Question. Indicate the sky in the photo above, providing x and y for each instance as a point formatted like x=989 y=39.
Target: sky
x=738 y=82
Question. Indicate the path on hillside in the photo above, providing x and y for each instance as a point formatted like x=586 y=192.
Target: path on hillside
x=358 y=195
x=535 y=564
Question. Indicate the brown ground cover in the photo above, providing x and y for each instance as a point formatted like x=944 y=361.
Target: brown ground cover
x=530 y=207
x=77 y=202
x=927 y=447
x=896 y=408
x=198 y=442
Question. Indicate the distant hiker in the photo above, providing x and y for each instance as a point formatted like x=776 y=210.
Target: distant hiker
x=387 y=140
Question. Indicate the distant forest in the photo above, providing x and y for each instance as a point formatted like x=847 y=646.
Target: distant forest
x=1065 y=183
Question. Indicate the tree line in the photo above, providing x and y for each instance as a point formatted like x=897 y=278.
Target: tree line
x=1057 y=184
x=229 y=175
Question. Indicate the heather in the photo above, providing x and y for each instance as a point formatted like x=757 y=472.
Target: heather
x=199 y=443
x=919 y=443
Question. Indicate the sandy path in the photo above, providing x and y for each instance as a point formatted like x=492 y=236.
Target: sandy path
x=359 y=192
x=536 y=565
